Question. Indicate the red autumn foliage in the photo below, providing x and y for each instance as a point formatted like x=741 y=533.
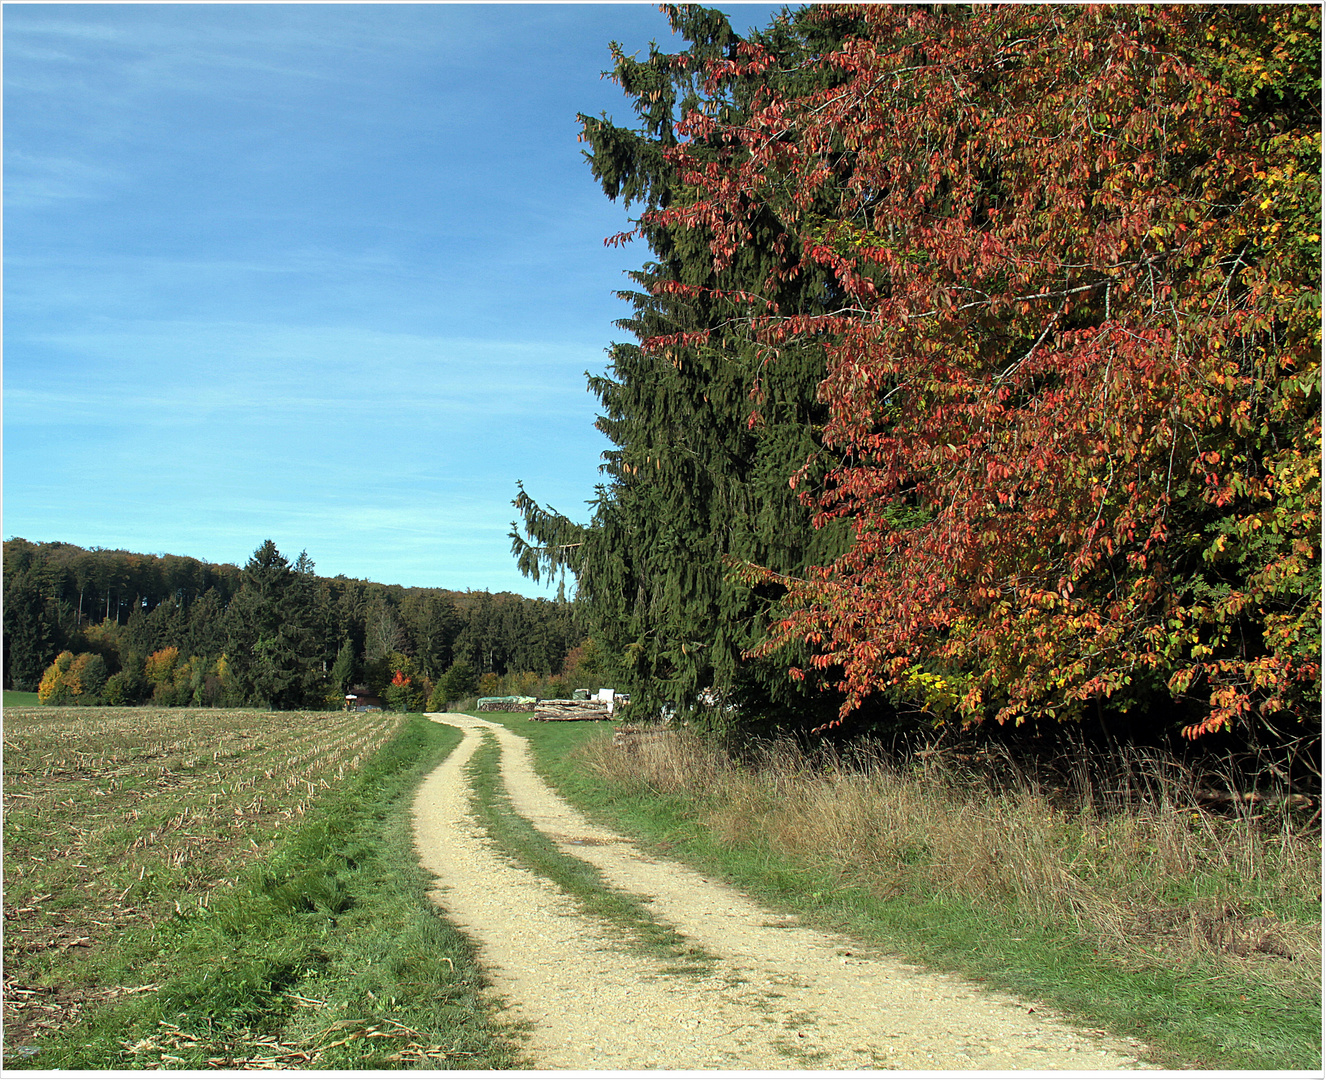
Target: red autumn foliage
x=1074 y=353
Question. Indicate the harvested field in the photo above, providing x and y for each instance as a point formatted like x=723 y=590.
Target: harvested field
x=118 y=818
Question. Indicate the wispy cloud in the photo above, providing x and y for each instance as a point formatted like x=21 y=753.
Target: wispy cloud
x=33 y=180
x=327 y=273
x=285 y=373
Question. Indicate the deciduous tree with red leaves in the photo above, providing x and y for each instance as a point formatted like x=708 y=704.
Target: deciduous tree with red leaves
x=1074 y=363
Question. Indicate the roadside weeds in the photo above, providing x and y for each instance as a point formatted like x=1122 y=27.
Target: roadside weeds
x=1139 y=923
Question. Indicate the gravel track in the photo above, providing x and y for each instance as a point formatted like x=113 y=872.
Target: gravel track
x=780 y=995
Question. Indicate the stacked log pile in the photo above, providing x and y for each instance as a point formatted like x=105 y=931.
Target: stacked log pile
x=504 y=704
x=566 y=709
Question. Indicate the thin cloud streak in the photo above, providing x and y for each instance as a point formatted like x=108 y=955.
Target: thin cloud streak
x=331 y=274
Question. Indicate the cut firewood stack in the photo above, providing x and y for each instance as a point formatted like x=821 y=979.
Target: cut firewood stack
x=567 y=709
x=504 y=704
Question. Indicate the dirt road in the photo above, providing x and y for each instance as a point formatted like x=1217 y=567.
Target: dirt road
x=779 y=996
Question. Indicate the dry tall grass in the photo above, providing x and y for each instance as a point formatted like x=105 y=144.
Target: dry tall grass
x=1142 y=870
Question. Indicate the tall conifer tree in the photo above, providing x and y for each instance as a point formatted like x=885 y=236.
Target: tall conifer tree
x=706 y=436
x=271 y=651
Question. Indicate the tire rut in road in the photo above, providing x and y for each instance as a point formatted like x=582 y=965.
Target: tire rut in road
x=780 y=995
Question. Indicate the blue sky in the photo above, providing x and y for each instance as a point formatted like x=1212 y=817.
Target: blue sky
x=326 y=274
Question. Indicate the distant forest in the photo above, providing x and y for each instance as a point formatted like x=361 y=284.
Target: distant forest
x=118 y=627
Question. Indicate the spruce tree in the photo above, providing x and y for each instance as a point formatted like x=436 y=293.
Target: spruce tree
x=343 y=670
x=708 y=434
x=271 y=655
x=31 y=636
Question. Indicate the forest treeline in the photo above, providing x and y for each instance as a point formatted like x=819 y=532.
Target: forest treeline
x=118 y=627
x=973 y=379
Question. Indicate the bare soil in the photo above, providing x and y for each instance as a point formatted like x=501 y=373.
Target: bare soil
x=780 y=996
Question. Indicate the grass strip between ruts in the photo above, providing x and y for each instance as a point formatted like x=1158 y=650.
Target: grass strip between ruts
x=1189 y=1017
x=526 y=846
x=329 y=955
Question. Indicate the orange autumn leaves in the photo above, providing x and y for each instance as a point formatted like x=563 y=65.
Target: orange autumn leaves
x=1074 y=354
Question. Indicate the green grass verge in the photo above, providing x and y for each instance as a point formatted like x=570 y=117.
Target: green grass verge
x=584 y=883
x=1191 y=1017
x=329 y=955
x=15 y=699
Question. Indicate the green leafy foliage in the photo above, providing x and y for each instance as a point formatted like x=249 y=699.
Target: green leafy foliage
x=459 y=681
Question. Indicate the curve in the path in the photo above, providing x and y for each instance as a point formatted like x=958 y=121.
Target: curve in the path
x=780 y=996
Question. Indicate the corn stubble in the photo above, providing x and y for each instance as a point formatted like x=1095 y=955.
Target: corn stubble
x=119 y=819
